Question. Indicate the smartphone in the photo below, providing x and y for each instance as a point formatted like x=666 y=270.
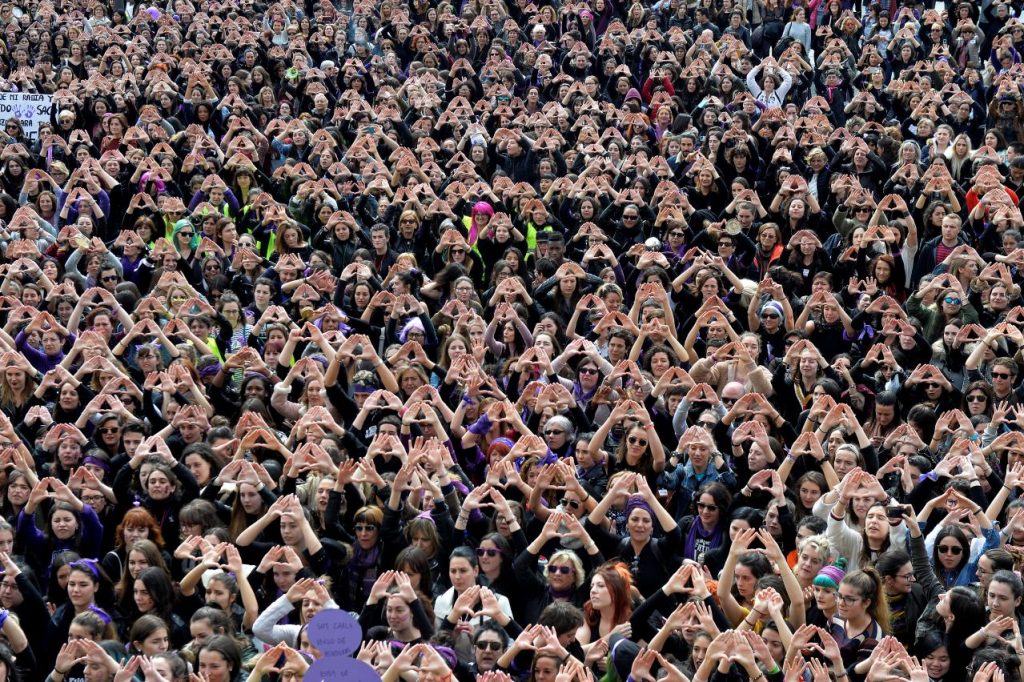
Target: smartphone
x=896 y=512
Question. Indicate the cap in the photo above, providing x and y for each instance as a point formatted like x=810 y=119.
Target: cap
x=830 y=576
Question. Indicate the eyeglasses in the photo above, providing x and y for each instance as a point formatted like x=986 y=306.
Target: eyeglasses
x=366 y=527
x=707 y=425
x=111 y=429
x=862 y=209
x=976 y=398
x=493 y=646
x=491 y=552
x=769 y=316
x=588 y=370
x=676 y=234
x=1001 y=375
x=847 y=599
x=566 y=502
x=630 y=217
x=564 y=570
x=458 y=251
x=955 y=550
x=728 y=401
x=951 y=300
x=909 y=577
x=725 y=245
x=633 y=440
x=109 y=278
x=554 y=432
x=707 y=507
x=408 y=221
x=186 y=234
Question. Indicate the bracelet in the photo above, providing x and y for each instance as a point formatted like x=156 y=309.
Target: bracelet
x=760 y=675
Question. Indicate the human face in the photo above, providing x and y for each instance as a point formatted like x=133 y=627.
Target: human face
x=462 y=574
x=809 y=494
x=845 y=461
x=201 y=631
x=64 y=524
x=398 y=614
x=133 y=534
x=250 y=499
x=561 y=575
x=545 y=669
x=640 y=525
x=143 y=599
x=950 y=552
x=825 y=598
x=81 y=589
x=367 y=534
x=808 y=564
x=311 y=605
x=876 y=524
x=985 y=571
x=852 y=604
x=489 y=648
x=18 y=492
x=214 y=667
x=707 y=509
x=291 y=531
x=902 y=582
x=745 y=581
x=600 y=595
x=1001 y=600
x=217 y=593
x=159 y=485
x=489 y=564
x=937 y=663
x=199 y=468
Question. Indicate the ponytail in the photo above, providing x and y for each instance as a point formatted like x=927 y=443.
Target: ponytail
x=868 y=582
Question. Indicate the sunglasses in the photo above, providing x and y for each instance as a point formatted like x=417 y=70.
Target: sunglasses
x=566 y=502
x=633 y=440
x=1000 y=375
x=109 y=278
x=114 y=429
x=458 y=251
x=366 y=527
x=707 y=425
x=186 y=234
x=492 y=552
x=769 y=316
x=976 y=398
x=564 y=570
x=630 y=217
x=493 y=646
x=951 y=300
x=955 y=550
x=725 y=244
x=677 y=235
x=707 y=507
x=588 y=370
x=932 y=385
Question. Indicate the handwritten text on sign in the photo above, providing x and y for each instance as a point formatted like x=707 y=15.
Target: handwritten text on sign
x=29 y=108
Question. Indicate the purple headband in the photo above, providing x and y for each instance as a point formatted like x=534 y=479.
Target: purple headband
x=209 y=370
x=88 y=565
x=97 y=463
x=637 y=502
x=104 y=616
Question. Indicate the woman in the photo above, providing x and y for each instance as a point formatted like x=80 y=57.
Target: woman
x=464 y=573
x=148 y=636
x=649 y=558
x=86 y=585
x=640 y=450
x=409 y=619
x=136 y=524
x=71 y=525
x=705 y=530
x=609 y=605
x=906 y=595
x=863 y=619
x=220 y=660
x=561 y=580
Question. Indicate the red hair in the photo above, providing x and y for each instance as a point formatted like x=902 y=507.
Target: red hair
x=619 y=582
x=138 y=517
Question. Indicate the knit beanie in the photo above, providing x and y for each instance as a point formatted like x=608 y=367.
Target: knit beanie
x=830 y=576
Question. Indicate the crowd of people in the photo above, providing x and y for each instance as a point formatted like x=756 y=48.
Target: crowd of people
x=554 y=341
